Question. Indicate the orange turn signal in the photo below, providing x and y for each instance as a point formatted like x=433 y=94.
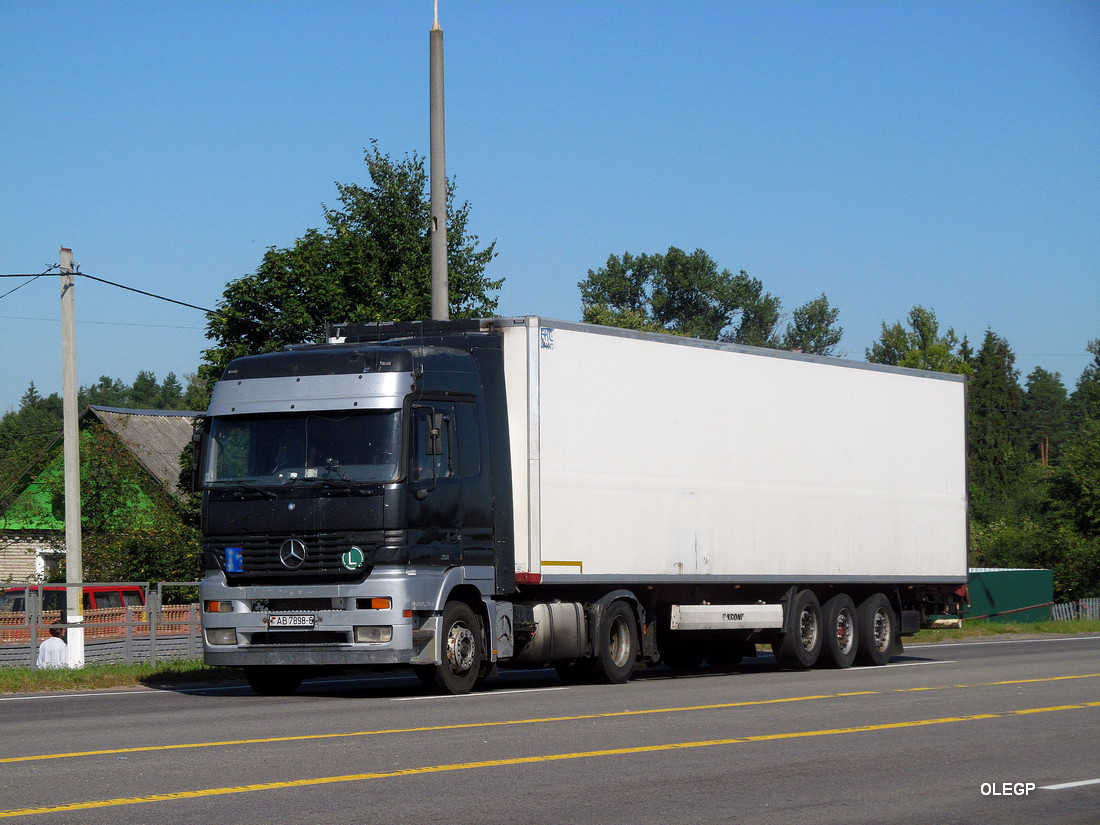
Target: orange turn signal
x=383 y=603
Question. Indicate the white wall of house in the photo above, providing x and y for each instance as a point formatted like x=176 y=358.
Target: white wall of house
x=29 y=556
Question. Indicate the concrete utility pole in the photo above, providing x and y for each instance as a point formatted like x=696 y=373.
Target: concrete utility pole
x=74 y=564
x=438 y=177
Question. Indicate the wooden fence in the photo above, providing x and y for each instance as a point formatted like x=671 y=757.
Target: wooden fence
x=129 y=635
x=1083 y=609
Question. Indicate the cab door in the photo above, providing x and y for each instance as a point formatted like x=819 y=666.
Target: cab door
x=450 y=511
x=435 y=506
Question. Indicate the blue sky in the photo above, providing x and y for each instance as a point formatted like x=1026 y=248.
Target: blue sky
x=885 y=154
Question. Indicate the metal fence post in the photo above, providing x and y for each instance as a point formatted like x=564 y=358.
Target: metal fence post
x=152 y=609
x=33 y=615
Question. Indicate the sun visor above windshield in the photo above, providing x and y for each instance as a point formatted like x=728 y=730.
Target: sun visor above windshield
x=362 y=391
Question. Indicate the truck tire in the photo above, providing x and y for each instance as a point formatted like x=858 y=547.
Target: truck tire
x=876 y=631
x=800 y=648
x=616 y=645
x=268 y=680
x=841 y=639
x=462 y=653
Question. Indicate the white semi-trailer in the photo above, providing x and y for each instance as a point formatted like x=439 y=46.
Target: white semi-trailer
x=457 y=496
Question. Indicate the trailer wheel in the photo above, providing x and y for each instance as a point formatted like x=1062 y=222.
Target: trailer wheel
x=463 y=651
x=800 y=647
x=840 y=643
x=617 y=645
x=876 y=631
x=268 y=680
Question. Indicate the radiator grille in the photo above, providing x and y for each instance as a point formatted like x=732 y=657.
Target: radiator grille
x=275 y=556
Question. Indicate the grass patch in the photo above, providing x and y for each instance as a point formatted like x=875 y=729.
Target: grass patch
x=181 y=672
x=96 y=676
x=984 y=628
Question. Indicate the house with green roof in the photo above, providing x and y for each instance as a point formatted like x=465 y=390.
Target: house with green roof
x=130 y=469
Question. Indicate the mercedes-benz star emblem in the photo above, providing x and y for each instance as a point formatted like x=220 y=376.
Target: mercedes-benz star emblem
x=292 y=554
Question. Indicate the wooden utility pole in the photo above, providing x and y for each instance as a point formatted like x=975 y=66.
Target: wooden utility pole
x=74 y=564
x=438 y=176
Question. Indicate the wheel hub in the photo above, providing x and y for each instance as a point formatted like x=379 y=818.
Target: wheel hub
x=460 y=648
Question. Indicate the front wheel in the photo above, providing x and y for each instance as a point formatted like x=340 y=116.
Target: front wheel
x=463 y=652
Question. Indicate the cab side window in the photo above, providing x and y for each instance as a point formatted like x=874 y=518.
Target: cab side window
x=447 y=441
x=432 y=451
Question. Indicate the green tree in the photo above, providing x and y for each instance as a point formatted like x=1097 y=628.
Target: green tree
x=132 y=529
x=1044 y=408
x=997 y=454
x=143 y=393
x=107 y=392
x=1085 y=401
x=169 y=394
x=371 y=262
x=197 y=394
x=813 y=328
x=680 y=293
x=1077 y=482
x=25 y=435
x=920 y=346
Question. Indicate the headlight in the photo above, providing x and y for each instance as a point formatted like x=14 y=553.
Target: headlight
x=373 y=633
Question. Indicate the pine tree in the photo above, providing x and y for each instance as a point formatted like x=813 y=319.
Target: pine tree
x=997 y=451
x=1044 y=415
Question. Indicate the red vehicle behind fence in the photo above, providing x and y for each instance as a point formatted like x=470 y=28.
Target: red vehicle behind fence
x=110 y=610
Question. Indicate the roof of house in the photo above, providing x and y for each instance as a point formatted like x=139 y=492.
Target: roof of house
x=155 y=437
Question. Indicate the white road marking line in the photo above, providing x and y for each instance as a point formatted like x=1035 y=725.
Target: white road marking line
x=1065 y=785
x=949 y=644
x=474 y=695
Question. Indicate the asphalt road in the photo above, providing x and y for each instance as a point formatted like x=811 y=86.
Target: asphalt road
x=979 y=732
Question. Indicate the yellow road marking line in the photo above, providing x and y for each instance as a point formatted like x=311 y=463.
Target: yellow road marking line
x=518 y=760
x=505 y=723
x=461 y=726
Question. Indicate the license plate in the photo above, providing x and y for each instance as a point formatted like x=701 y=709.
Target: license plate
x=291 y=621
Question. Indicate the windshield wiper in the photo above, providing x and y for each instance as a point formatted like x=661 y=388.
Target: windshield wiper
x=343 y=484
x=245 y=486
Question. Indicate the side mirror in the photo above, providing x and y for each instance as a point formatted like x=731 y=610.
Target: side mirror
x=435 y=434
x=196 y=455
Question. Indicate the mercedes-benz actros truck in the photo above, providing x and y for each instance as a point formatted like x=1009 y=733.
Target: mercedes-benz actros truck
x=458 y=496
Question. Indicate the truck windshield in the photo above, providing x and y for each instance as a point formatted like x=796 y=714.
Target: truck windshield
x=284 y=449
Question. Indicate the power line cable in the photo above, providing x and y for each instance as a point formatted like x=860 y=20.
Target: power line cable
x=149 y=294
x=32 y=277
x=97 y=323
